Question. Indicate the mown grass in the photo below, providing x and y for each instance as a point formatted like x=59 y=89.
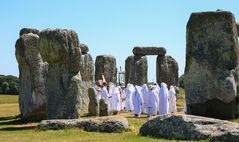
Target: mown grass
x=13 y=129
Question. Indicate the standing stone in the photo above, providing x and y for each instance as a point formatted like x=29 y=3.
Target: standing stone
x=93 y=104
x=106 y=65
x=60 y=48
x=211 y=72
x=103 y=108
x=136 y=70
x=29 y=30
x=32 y=76
x=167 y=70
x=88 y=78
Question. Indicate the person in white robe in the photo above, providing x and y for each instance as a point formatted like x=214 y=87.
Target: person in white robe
x=98 y=94
x=128 y=97
x=163 y=99
x=116 y=100
x=145 y=98
x=152 y=101
x=172 y=100
x=105 y=94
x=111 y=92
x=137 y=101
x=123 y=96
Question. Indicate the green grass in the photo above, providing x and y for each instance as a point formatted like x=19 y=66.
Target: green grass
x=13 y=129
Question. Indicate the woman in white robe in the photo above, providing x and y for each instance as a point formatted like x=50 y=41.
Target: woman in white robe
x=137 y=101
x=145 y=98
x=152 y=101
x=128 y=97
x=105 y=94
x=115 y=105
x=111 y=91
x=163 y=99
x=172 y=100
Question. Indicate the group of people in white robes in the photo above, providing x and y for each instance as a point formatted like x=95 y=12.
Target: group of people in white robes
x=152 y=101
x=139 y=99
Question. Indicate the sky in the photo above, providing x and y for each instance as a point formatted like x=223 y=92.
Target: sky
x=107 y=26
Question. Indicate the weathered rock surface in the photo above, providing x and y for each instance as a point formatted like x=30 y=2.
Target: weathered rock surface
x=136 y=70
x=88 y=78
x=189 y=127
x=106 y=65
x=238 y=29
x=32 y=77
x=93 y=104
x=29 y=30
x=100 y=124
x=103 y=110
x=60 y=48
x=167 y=70
x=84 y=48
x=211 y=72
x=149 y=51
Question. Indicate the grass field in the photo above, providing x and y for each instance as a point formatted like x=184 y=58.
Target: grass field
x=12 y=129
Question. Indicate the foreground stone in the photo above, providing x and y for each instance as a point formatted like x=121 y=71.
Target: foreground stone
x=167 y=70
x=32 y=77
x=189 y=127
x=136 y=70
x=100 y=124
x=212 y=59
x=106 y=65
x=60 y=48
x=149 y=51
x=93 y=104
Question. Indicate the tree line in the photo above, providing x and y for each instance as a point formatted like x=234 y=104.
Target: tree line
x=9 y=84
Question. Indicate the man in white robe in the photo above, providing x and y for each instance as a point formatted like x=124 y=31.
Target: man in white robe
x=152 y=101
x=128 y=97
x=145 y=98
x=163 y=100
x=111 y=91
x=137 y=101
x=115 y=99
x=172 y=100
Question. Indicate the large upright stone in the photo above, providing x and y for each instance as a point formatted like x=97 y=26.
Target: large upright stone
x=149 y=50
x=60 y=48
x=211 y=72
x=32 y=77
x=103 y=109
x=93 y=104
x=88 y=78
x=106 y=65
x=136 y=70
x=167 y=70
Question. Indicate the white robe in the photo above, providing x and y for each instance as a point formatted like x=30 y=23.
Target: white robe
x=98 y=95
x=111 y=91
x=163 y=100
x=123 y=100
x=145 y=98
x=152 y=102
x=105 y=95
x=137 y=100
x=116 y=99
x=128 y=97
x=172 y=100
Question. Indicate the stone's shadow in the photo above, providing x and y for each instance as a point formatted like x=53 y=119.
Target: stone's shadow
x=8 y=118
x=18 y=128
x=15 y=121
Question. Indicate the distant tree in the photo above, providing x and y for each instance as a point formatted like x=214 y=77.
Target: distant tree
x=181 y=81
x=5 y=87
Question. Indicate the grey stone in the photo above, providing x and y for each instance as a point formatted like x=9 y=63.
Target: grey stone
x=149 y=51
x=238 y=29
x=211 y=72
x=103 y=110
x=100 y=124
x=167 y=70
x=32 y=77
x=60 y=48
x=29 y=30
x=136 y=70
x=88 y=78
x=84 y=48
x=189 y=127
x=93 y=104
x=106 y=65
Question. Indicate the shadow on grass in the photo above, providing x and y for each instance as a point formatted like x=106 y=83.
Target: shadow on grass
x=15 y=121
x=9 y=118
x=18 y=128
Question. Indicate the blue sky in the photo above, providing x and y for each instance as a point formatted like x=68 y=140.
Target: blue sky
x=107 y=26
